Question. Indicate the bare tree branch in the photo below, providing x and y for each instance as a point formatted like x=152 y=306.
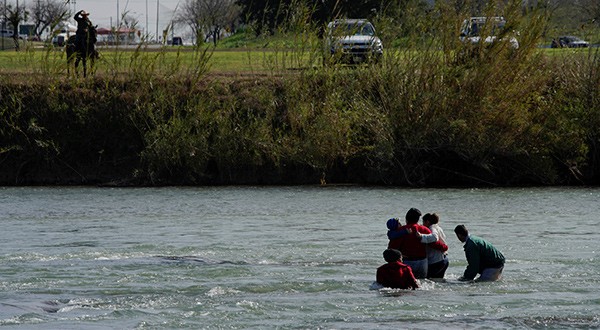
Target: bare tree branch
x=47 y=14
x=209 y=17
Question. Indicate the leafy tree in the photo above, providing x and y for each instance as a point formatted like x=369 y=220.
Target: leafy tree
x=590 y=9
x=270 y=15
x=264 y=15
x=357 y=8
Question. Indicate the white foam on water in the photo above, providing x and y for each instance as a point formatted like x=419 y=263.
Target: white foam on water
x=220 y=291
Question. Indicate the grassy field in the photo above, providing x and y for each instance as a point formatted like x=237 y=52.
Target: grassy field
x=37 y=58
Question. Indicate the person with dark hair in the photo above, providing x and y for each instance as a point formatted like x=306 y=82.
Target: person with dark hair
x=437 y=260
x=395 y=274
x=412 y=245
x=482 y=257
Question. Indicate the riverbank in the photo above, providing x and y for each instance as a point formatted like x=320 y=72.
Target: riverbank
x=416 y=119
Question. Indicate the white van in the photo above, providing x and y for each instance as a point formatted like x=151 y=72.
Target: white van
x=473 y=27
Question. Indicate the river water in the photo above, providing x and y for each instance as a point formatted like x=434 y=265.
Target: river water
x=287 y=257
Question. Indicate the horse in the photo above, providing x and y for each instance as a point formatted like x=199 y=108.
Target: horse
x=83 y=51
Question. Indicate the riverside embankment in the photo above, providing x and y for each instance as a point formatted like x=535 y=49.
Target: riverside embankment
x=416 y=119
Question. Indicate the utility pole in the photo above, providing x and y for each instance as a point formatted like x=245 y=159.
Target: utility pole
x=39 y=9
x=157 y=5
x=16 y=28
x=4 y=24
x=146 y=31
x=118 y=13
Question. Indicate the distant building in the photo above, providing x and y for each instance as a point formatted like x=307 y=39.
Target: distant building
x=122 y=36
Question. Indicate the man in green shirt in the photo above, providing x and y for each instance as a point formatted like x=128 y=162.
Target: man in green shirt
x=482 y=256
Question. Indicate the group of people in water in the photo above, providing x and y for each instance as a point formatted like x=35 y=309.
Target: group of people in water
x=420 y=251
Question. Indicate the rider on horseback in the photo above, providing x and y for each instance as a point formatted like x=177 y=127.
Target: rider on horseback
x=81 y=46
x=84 y=25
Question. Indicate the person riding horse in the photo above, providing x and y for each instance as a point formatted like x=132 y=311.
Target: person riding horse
x=81 y=46
x=84 y=25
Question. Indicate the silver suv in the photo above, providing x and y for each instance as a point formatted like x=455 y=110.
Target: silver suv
x=352 y=41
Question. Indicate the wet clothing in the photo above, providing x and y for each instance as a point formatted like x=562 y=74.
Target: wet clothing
x=434 y=253
x=438 y=269
x=419 y=267
x=437 y=255
x=410 y=245
x=437 y=259
x=413 y=250
x=425 y=239
x=491 y=274
x=481 y=256
x=396 y=275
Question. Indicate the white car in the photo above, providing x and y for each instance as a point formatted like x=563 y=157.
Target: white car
x=352 y=41
x=6 y=33
x=473 y=28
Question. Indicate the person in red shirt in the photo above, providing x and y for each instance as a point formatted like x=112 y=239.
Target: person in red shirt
x=412 y=246
x=395 y=274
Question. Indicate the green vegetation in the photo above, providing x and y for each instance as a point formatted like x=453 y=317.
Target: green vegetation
x=434 y=112
x=123 y=60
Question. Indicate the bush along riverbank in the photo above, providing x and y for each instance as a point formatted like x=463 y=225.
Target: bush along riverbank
x=417 y=119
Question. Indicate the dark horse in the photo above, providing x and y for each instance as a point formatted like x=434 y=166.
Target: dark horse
x=83 y=51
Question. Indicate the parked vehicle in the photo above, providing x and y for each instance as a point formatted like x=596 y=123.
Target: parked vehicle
x=490 y=27
x=177 y=41
x=4 y=33
x=352 y=41
x=569 y=42
x=60 y=39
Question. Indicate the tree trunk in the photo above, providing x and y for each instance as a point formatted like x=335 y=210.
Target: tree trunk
x=215 y=35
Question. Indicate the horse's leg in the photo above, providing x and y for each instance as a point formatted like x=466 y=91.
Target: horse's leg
x=77 y=59
x=71 y=64
x=84 y=59
x=93 y=58
x=68 y=61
